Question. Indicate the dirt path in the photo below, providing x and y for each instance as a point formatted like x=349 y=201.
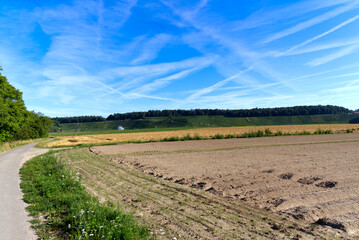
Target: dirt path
x=14 y=223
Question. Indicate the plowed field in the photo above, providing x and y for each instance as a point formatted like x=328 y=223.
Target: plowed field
x=310 y=178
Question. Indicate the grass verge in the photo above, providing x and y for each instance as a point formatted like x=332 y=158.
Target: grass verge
x=62 y=208
x=10 y=145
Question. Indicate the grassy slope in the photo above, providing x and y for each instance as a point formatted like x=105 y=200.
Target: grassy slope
x=204 y=121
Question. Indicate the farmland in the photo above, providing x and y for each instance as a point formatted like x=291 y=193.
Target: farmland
x=73 y=140
x=230 y=188
x=204 y=121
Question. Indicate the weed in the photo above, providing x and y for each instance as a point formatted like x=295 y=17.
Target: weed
x=197 y=137
x=328 y=132
x=218 y=136
x=268 y=132
x=319 y=131
x=279 y=133
x=230 y=136
x=260 y=133
x=186 y=138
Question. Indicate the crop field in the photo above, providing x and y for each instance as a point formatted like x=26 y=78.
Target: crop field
x=204 y=121
x=201 y=132
x=275 y=187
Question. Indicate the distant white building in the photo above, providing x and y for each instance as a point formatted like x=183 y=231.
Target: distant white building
x=120 y=128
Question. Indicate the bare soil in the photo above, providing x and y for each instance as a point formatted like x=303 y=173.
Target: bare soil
x=309 y=178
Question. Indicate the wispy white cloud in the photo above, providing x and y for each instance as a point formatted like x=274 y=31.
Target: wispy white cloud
x=270 y=16
x=331 y=57
x=316 y=20
x=161 y=82
x=134 y=76
x=322 y=46
x=215 y=86
x=148 y=50
x=245 y=57
x=321 y=35
x=345 y=67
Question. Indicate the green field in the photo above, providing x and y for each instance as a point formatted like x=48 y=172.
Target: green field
x=159 y=123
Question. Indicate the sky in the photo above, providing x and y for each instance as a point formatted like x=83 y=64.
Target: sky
x=98 y=57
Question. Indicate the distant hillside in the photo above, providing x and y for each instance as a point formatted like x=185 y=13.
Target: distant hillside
x=206 y=121
x=255 y=112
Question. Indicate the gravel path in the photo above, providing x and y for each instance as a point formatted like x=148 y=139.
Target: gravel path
x=13 y=217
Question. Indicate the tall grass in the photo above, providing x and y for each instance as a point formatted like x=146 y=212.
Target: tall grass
x=53 y=191
x=5 y=146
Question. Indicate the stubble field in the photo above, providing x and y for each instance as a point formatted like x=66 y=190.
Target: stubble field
x=202 y=132
x=229 y=188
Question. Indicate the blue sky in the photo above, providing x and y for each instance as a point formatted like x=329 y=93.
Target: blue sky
x=97 y=57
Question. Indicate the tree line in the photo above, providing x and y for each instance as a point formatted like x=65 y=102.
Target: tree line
x=16 y=122
x=79 y=119
x=255 y=112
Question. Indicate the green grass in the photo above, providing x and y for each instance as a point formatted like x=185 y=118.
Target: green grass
x=176 y=123
x=53 y=191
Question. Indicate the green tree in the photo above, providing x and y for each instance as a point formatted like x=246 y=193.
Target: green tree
x=16 y=122
x=12 y=110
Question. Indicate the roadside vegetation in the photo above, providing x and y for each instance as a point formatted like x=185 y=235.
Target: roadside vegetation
x=62 y=207
x=10 y=145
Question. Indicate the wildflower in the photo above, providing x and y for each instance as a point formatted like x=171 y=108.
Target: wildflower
x=69 y=226
x=63 y=176
x=82 y=211
x=101 y=226
x=91 y=235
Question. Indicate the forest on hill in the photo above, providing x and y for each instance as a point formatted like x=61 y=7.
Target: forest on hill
x=16 y=122
x=255 y=112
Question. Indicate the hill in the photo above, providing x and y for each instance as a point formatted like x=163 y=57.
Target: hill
x=203 y=121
